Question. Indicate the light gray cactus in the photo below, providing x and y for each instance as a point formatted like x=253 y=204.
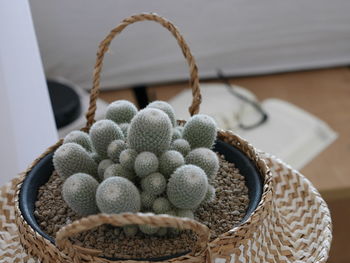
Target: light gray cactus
x=124 y=127
x=71 y=158
x=200 y=131
x=119 y=170
x=176 y=134
x=169 y=161
x=187 y=187
x=127 y=159
x=118 y=195
x=210 y=195
x=150 y=131
x=130 y=230
x=148 y=229
x=145 y=164
x=79 y=191
x=103 y=165
x=166 y=107
x=161 y=205
x=102 y=133
x=154 y=183
x=205 y=159
x=79 y=137
x=147 y=199
x=121 y=111
x=182 y=146
x=115 y=148
x=185 y=213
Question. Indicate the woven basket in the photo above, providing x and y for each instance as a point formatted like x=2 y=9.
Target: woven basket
x=267 y=235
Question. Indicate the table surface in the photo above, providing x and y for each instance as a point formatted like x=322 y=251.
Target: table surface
x=324 y=93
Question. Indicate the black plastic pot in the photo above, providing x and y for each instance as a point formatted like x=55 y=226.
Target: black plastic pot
x=41 y=173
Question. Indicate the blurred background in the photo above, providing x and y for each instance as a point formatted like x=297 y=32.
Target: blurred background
x=275 y=72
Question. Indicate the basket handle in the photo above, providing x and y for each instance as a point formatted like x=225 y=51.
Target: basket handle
x=103 y=48
x=87 y=223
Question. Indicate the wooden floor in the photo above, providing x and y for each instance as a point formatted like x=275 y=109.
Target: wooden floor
x=326 y=94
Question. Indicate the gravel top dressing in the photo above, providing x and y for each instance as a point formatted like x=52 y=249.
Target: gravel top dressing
x=227 y=210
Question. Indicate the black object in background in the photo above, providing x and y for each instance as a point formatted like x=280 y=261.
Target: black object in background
x=65 y=103
x=141 y=96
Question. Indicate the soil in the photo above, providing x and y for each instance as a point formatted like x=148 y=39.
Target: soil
x=225 y=212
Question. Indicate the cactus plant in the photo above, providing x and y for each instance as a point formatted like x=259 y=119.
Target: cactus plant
x=176 y=135
x=103 y=165
x=130 y=230
x=124 y=127
x=210 y=195
x=182 y=146
x=187 y=187
x=145 y=164
x=102 y=133
x=161 y=205
x=166 y=107
x=185 y=213
x=71 y=158
x=115 y=148
x=127 y=159
x=150 y=131
x=169 y=161
x=148 y=229
x=118 y=195
x=205 y=159
x=121 y=111
x=96 y=157
x=80 y=138
x=79 y=191
x=147 y=199
x=154 y=183
x=119 y=170
x=200 y=131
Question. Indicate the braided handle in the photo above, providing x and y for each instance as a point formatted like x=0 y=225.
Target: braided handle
x=87 y=223
x=103 y=48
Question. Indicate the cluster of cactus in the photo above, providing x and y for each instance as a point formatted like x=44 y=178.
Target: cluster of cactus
x=139 y=161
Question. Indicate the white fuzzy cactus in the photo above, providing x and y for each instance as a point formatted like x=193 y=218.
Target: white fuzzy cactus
x=79 y=191
x=187 y=187
x=169 y=162
x=102 y=133
x=205 y=159
x=115 y=148
x=166 y=107
x=150 y=131
x=121 y=111
x=182 y=146
x=200 y=131
x=80 y=138
x=119 y=170
x=161 y=205
x=127 y=159
x=145 y=164
x=154 y=183
x=187 y=213
x=147 y=199
x=210 y=195
x=102 y=167
x=71 y=158
x=148 y=229
x=124 y=127
x=118 y=195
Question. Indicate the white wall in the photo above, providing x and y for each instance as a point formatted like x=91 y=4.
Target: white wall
x=27 y=125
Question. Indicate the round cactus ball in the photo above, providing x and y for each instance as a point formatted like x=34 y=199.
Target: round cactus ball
x=210 y=195
x=161 y=205
x=79 y=137
x=118 y=170
x=145 y=164
x=130 y=230
x=147 y=199
x=121 y=111
x=187 y=187
x=150 y=131
x=205 y=159
x=187 y=213
x=79 y=191
x=118 y=195
x=166 y=107
x=127 y=159
x=170 y=161
x=103 y=166
x=154 y=183
x=124 y=127
x=182 y=146
x=115 y=148
x=200 y=131
x=148 y=229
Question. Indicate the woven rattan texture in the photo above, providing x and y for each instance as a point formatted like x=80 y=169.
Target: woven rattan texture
x=296 y=229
